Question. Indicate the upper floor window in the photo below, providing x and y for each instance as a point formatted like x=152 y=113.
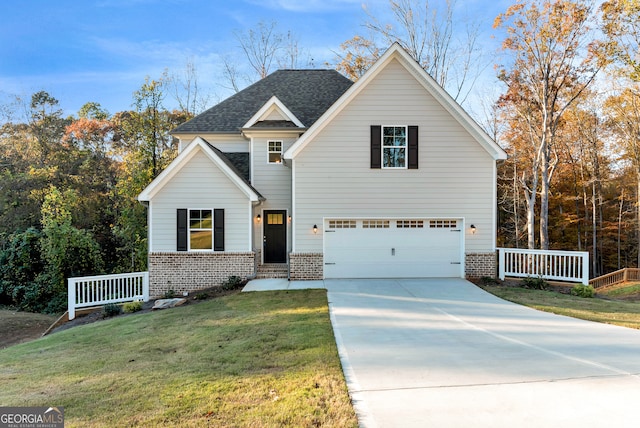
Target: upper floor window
x=394 y=146
x=275 y=151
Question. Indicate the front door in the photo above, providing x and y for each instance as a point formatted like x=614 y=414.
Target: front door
x=275 y=237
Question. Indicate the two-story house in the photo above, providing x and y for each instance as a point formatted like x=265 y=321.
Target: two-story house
x=384 y=177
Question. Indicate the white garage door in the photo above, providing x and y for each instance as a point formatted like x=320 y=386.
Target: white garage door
x=393 y=248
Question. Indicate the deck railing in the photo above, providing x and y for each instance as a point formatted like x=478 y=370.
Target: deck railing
x=572 y=266
x=102 y=289
x=617 y=277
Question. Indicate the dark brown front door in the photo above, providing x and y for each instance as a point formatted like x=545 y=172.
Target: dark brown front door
x=275 y=237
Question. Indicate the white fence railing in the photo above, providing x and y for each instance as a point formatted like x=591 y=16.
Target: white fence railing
x=555 y=265
x=102 y=289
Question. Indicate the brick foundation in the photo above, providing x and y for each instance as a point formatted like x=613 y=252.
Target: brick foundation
x=307 y=266
x=478 y=265
x=183 y=271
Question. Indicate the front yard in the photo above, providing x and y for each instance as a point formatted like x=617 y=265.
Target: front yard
x=250 y=359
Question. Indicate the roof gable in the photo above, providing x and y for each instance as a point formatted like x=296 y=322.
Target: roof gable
x=307 y=94
x=199 y=145
x=275 y=111
x=440 y=95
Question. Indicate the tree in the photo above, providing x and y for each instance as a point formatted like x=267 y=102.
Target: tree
x=427 y=33
x=621 y=25
x=67 y=251
x=186 y=90
x=46 y=122
x=358 y=55
x=551 y=64
x=623 y=111
x=261 y=47
x=144 y=147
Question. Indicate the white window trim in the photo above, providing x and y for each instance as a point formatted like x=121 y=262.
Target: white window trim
x=199 y=250
x=406 y=147
x=270 y=151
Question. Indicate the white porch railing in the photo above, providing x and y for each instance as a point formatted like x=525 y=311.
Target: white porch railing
x=555 y=265
x=102 y=289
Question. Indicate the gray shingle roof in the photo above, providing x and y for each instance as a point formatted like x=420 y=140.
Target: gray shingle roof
x=238 y=162
x=306 y=93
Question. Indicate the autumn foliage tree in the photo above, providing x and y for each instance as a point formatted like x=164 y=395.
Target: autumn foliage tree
x=549 y=63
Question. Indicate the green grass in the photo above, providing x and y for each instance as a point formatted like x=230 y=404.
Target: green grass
x=251 y=359
x=623 y=291
x=626 y=314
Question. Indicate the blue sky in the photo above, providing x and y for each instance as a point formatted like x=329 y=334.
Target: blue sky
x=102 y=50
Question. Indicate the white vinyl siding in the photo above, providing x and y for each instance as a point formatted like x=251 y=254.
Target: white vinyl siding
x=273 y=181
x=199 y=184
x=224 y=143
x=333 y=178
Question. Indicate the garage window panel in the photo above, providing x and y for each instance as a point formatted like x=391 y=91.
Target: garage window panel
x=410 y=224
x=440 y=224
x=375 y=224
x=342 y=224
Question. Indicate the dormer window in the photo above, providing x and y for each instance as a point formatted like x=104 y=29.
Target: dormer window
x=275 y=151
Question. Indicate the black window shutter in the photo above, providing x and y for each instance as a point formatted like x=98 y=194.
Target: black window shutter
x=218 y=230
x=376 y=146
x=182 y=230
x=413 y=148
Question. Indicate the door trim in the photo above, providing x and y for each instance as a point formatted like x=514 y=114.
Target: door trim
x=280 y=230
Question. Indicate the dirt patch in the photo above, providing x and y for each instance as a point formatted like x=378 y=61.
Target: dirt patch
x=17 y=327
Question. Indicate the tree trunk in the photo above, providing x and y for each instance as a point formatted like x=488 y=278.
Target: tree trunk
x=594 y=229
x=620 y=227
x=531 y=219
x=638 y=224
x=544 y=204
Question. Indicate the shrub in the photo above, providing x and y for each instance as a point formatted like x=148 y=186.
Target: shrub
x=170 y=294
x=131 y=307
x=232 y=283
x=111 y=310
x=487 y=280
x=201 y=296
x=535 y=283
x=583 y=291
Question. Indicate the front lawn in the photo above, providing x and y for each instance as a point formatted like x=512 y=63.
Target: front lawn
x=626 y=314
x=250 y=359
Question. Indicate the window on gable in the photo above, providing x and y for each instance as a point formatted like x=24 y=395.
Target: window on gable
x=275 y=151
x=200 y=230
x=394 y=147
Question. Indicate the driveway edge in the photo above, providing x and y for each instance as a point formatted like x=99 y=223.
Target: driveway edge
x=365 y=418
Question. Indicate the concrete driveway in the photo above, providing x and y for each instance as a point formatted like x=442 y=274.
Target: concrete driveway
x=444 y=353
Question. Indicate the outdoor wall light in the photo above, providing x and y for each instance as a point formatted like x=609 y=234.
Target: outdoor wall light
x=258 y=218
x=315 y=228
x=289 y=219
x=473 y=229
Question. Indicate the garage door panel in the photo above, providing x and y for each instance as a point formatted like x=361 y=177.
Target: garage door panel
x=409 y=252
